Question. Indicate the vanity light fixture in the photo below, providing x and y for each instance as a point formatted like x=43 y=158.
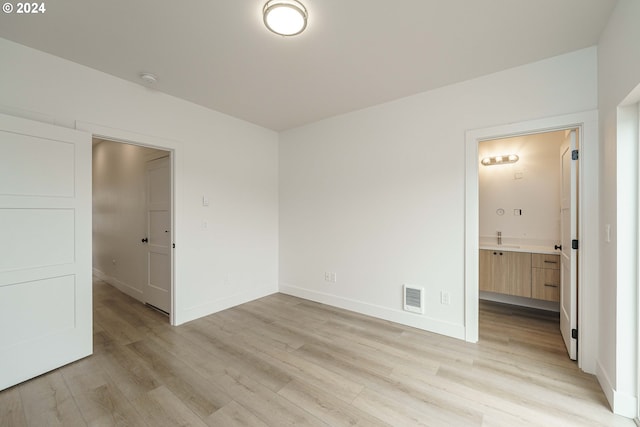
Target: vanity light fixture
x=500 y=160
x=285 y=17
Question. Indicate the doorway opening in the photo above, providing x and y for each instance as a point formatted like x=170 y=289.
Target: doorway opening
x=527 y=220
x=133 y=220
x=587 y=140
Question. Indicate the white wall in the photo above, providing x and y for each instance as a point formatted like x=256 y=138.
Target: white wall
x=232 y=162
x=377 y=195
x=618 y=75
x=119 y=214
x=532 y=185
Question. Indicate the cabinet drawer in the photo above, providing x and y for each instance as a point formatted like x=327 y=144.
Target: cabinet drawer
x=545 y=284
x=545 y=261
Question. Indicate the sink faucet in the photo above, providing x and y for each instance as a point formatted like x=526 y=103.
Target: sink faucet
x=499 y=237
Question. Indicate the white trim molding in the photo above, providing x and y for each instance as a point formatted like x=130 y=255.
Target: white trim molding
x=123 y=287
x=587 y=122
x=402 y=317
x=176 y=316
x=621 y=403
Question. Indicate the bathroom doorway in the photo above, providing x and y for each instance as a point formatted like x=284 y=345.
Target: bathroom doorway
x=527 y=194
x=587 y=139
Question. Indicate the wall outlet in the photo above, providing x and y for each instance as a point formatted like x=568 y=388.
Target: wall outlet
x=330 y=277
x=445 y=299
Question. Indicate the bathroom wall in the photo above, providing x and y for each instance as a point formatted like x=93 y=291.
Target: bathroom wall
x=531 y=186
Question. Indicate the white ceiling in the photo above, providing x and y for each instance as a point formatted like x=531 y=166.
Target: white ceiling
x=354 y=53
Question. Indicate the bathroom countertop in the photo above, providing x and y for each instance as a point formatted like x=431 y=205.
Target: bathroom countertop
x=522 y=248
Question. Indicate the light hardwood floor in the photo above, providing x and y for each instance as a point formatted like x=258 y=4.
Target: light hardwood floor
x=283 y=361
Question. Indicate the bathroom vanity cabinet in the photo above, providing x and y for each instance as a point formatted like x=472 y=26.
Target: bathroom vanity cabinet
x=505 y=272
x=523 y=274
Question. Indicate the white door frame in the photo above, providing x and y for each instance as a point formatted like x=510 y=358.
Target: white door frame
x=173 y=147
x=637 y=418
x=621 y=386
x=637 y=260
x=588 y=272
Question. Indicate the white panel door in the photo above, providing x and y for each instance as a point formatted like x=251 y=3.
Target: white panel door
x=45 y=248
x=569 y=256
x=157 y=291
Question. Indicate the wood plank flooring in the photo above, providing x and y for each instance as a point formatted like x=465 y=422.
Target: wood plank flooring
x=284 y=361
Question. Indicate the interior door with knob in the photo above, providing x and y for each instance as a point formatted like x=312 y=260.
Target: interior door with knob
x=45 y=250
x=157 y=291
x=569 y=255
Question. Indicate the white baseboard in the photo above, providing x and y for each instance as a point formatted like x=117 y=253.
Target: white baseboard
x=121 y=286
x=397 y=316
x=211 y=307
x=621 y=403
x=521 y=301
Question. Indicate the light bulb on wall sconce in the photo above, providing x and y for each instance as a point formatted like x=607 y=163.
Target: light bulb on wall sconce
x=500 y=160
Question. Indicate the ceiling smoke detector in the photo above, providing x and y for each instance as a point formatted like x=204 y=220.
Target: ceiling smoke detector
x=148 y=78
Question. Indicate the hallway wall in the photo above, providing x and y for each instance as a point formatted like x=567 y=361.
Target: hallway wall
x=119 y=214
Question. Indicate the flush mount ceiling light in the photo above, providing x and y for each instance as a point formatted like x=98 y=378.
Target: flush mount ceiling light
x=285 y=17
x=500 y=160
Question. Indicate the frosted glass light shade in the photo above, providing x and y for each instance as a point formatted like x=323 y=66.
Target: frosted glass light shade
x=500 y=160
x=285 y=17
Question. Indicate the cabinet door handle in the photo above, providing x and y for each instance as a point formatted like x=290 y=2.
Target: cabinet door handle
x=550 y=285
x=551 y=262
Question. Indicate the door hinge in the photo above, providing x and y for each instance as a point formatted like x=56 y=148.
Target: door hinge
x=174 y=246
x=574 y=334
x=574 y=244
x=574 y=155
